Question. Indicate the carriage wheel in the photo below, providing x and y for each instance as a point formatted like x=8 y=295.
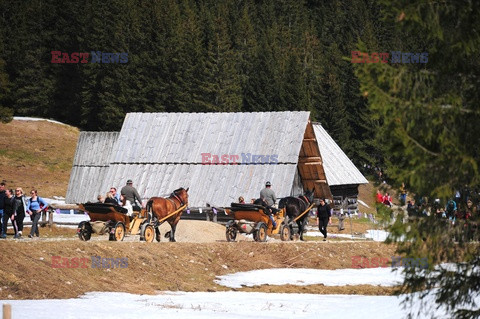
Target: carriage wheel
x=261 y=233
x=119 y=232
x=84 y=231
x=284 y=232
x=148 y=233
x=231 y=233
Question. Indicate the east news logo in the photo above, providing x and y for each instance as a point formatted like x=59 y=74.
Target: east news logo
x=82 y=57
x=396 y=57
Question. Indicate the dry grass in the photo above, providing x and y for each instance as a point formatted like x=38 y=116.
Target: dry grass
x=27 y=271
x=37 y=154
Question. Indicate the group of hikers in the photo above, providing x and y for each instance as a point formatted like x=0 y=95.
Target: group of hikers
x=15 y=206
x=461 y=209
x=128 y=198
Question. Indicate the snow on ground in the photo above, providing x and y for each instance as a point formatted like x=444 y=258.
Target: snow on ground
x=63 y=218
x=331 y=235
x=70 y=218
x=374 y=234
x=213 y=305
x=24 y=118
x=377 y=234
x=302 y=277
x=363 y=203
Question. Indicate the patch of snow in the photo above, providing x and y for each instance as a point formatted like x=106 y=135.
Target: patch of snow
x=377 y=234
x=230 y=304
x=303 y=277
x=363 y=203
x=25 y=118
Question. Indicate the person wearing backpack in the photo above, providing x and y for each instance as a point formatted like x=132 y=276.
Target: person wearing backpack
x=35 y=207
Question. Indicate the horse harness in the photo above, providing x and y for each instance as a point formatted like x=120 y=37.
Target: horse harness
x=304 y=199
x=173 y=202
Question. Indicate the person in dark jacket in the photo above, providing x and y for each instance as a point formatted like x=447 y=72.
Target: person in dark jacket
x=20 y=211
x=324 y=217
x=110 y=199
x=8 y=211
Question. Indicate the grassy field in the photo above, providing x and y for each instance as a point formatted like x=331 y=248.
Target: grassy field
x=37 y=154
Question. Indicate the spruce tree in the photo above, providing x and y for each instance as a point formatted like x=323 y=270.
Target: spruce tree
x=429 y=117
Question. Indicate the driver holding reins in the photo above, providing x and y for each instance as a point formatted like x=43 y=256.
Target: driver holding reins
x=131 y=194
x=268 y=196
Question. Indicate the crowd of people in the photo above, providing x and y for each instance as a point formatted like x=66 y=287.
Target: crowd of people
x=15 y=206
x=463 y=208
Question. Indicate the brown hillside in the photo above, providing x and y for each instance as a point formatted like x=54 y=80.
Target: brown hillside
x=27 y=271
x=37 y=154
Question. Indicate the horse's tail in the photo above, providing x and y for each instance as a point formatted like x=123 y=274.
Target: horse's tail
x=149 y=209
x=149 y=205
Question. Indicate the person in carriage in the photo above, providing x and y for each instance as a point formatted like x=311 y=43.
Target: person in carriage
x=110 y=199
x=131 y=194
x=267 y=195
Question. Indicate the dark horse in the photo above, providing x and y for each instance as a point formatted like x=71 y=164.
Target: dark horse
x=160 y=207
x=295 y=206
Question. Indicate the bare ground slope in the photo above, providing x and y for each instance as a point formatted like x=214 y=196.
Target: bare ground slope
x=188 y=265
x=37 y=154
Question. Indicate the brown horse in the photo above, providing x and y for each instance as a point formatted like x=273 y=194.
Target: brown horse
x=160 y=207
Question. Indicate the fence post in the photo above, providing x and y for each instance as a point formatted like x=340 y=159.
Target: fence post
x=50 y=218
x=44 y=218
x=7 y=311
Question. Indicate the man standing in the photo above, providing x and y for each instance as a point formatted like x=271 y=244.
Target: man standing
x=2 y=198
x=324 y=217
x=130 y=193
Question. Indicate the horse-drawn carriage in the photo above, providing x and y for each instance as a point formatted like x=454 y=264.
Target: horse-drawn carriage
x=113 y=219
x=252 y=219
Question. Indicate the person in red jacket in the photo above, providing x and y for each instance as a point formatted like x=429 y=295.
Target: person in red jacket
x=387 y=200
x=379 y=197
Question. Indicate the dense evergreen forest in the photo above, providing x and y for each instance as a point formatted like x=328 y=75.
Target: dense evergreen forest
x=191 y=56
